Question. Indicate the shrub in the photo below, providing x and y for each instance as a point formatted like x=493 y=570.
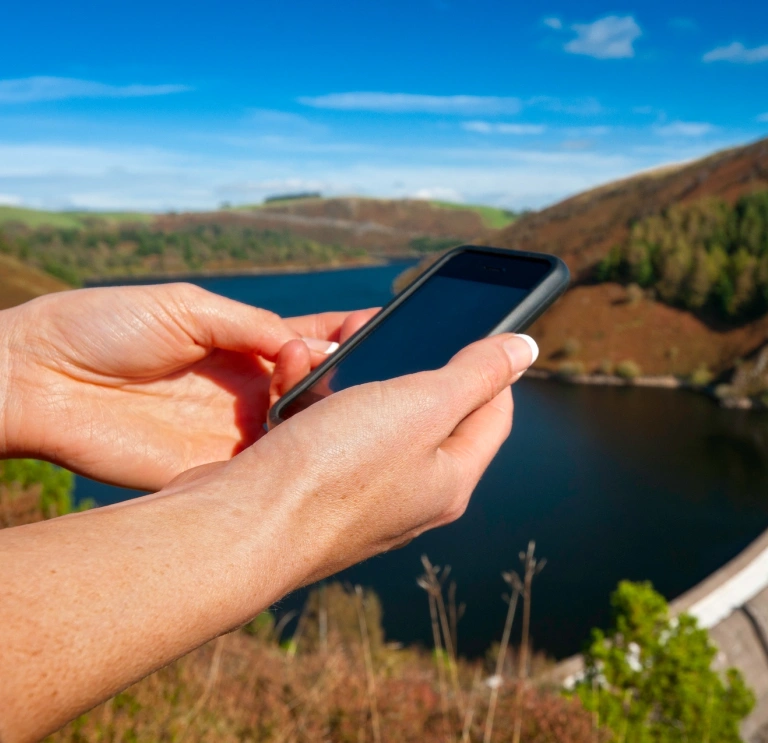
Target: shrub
x=571 y=348
x=627 y=369
x=649 y=678
x=606 y=366
x=571 y=368
x=701 y=376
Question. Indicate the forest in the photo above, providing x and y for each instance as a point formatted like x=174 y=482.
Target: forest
x=102 y=248
x=707 y=256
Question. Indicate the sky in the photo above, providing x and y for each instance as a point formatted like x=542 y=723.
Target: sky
x=168 y=105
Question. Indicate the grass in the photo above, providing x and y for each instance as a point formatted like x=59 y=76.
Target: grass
x=493 y=218
x=33 y=218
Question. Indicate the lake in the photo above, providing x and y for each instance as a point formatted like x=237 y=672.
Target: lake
x=612 y=483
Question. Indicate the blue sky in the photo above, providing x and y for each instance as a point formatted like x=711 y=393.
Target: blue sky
x=174 y=106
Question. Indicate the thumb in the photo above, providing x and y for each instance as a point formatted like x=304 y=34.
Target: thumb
x=480 y=372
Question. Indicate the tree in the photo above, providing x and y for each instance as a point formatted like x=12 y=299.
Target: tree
x=649 y=678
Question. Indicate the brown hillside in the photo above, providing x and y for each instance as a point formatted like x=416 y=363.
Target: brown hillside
x=582 y=229
x=406 y=215
x=20 y=283
x=598 y=327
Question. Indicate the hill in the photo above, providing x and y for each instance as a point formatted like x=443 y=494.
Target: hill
x=583 y=229
x=601 y=323
x=20 y=283
x=292 y=234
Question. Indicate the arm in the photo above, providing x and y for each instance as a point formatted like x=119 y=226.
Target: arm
x=92 y=602
x=134 y=385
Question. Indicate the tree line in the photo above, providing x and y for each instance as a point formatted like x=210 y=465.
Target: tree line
x=104 y=249
x=704 y=256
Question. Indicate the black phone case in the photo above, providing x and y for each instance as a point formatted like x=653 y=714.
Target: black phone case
x=541 y=297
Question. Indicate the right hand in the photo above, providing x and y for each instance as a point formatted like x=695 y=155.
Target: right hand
x=371 y=467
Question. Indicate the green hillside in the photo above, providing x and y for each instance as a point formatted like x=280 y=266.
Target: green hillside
x=493 y=217
x=67 y=219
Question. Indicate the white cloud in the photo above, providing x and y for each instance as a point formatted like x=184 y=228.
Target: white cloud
x=32 y=89
x=7 y=199
x=553 y=22
x=576 y=107
x=611 y=37
x=763 y=117
x=738 y=53
x=438 y=193
x=685 y=129
x=413 y=103
x=588 y=131
x=485 y=127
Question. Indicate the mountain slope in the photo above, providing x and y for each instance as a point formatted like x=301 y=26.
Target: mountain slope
x=583 y=229
x=20 y=283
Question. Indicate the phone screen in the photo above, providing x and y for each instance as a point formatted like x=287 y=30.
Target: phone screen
x=461 y=303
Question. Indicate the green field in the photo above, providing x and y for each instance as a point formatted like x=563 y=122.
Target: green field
x=493 y=218
x=66 y=220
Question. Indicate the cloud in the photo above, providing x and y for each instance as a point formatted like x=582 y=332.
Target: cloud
x=611 y=37
x=576 y=107
x=738 y=53
x=413 y=103
x=684 y=129
x=553 y=22
x=438 y=193
x=485 y=127
x=7 y=199
x=588 y=131
x=644 y=110
x=33 y=89
x=763 y=117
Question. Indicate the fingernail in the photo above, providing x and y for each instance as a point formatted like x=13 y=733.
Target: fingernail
x=317 y=344
x=515 y=351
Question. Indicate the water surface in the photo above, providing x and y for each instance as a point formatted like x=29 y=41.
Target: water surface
x=612 y=483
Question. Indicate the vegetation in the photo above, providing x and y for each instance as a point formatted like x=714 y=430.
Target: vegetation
x=69 y=219
x=102 y=248
x=650 y=677
x=493 y=218
x=701 y=256
x=31 y=490
x=627 y=369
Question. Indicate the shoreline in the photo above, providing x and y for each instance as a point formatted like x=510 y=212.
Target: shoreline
x=666 y=382
x=232 y=273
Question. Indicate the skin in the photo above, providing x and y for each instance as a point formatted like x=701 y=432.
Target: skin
x=146 y=383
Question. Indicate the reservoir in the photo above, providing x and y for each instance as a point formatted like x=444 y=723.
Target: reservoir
x=612 y=483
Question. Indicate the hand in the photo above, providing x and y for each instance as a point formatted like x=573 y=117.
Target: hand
x=95 y=601
x=371 y=467
x=133 y=385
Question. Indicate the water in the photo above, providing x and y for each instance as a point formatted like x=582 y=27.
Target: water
x=611 y=483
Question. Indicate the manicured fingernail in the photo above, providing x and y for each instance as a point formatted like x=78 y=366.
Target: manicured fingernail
x=317 y=344
x=515 y=351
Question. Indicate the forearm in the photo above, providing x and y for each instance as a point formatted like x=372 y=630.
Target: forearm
x=91 y=603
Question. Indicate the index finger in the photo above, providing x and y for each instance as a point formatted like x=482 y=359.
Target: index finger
x=331 y=326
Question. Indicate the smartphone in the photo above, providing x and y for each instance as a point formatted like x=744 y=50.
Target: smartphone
x=470 y=293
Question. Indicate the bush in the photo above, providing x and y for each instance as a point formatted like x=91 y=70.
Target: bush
x=56 y=484
x=650 y=677
x=571 y=369
x=701 y=376
x=627 y=369
x=572 y=347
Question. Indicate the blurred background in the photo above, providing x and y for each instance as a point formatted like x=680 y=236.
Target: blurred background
x=311 y=157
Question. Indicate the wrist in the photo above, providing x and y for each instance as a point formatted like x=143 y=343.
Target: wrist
x=17 y=386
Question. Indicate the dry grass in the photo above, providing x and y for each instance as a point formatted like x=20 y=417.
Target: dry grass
x=334 y=680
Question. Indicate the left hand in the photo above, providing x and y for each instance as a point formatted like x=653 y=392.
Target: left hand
x=133 y=385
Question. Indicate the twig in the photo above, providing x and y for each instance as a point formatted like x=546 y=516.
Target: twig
x=376 y=727
x=470 y=713
x=498 y=677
